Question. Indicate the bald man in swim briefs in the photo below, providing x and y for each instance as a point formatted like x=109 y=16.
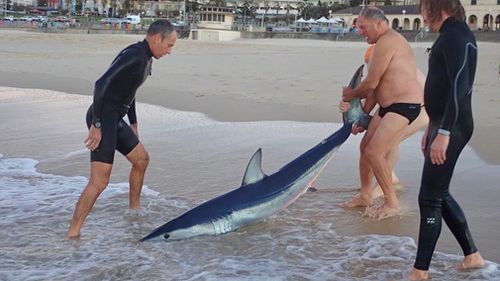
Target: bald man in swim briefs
x=368 y=192
x=392 y=77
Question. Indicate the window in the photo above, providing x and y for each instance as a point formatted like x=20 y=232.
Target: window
x=474 y=2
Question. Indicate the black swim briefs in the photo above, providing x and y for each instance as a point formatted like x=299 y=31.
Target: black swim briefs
x=408 y=110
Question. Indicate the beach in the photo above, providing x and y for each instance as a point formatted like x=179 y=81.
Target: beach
x=202 y=114
x=298 y=80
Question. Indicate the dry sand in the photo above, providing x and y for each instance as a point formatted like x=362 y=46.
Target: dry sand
x=243 y=80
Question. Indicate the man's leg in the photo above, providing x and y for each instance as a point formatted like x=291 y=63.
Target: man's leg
x=388 y=132
x=139 y=159
x=391 y=157
x=365 y=178
x=364 y=198
x=421 y=122
x=99 y=179
x=418 y=275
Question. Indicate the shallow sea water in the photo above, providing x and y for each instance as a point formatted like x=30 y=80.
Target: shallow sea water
x=195 y=159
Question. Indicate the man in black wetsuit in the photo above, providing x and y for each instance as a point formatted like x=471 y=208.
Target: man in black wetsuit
x=447 y=95
x=114 y=97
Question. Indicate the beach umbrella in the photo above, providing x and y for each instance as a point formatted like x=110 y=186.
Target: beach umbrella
x=333 y=21
x=322 y=20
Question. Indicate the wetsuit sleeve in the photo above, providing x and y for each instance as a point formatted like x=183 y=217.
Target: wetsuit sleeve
x=122 y=62
x=457 y=55
x=132 y=116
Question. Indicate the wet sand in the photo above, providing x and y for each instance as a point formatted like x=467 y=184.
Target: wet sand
x=247 y=80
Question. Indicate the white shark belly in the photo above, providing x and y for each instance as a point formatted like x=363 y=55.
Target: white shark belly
x=284 y=199
x=257 y=212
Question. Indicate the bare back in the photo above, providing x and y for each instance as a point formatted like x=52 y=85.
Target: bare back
x=393 y=64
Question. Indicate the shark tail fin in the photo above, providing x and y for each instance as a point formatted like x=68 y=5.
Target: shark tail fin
x=356 y=77
x=254 y=171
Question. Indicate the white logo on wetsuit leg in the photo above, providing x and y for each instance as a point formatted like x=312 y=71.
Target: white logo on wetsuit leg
x=431 y=220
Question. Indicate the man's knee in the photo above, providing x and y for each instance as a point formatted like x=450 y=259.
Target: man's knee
x=426 y=201
x=99 y=175
x=373 y=153
x=429 y=195
x=142 y=161
x=99 y=184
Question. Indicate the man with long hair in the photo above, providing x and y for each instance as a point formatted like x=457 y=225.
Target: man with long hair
x=447 y=96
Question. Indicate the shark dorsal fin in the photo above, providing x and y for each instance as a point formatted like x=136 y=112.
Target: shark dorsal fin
x=254 y=169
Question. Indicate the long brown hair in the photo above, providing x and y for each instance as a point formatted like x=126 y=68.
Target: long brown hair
x=433 y=9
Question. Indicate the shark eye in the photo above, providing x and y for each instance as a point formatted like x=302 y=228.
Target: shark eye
x=166 y=236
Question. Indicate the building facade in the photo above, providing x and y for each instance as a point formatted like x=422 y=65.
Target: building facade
x=212 y=17
x=480 y=14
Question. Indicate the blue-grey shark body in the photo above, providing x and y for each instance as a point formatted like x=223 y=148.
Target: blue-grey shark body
x=261 y=195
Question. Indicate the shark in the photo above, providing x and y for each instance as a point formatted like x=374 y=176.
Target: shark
x=261 y=196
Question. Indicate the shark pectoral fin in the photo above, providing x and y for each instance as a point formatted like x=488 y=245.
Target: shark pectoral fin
x=254 y=169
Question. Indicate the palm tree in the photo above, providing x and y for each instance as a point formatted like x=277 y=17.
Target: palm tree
x=304 y=8
x=125 y=6
x=266 y=8
x=288 y=8
x=248 y=10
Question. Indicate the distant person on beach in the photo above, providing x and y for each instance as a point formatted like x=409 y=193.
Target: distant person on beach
x=392 y=77
x=368 y=192
x=448 y=94
x=114 y=97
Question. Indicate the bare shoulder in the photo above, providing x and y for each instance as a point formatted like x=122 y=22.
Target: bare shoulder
x=391 y=40
x=387 y=44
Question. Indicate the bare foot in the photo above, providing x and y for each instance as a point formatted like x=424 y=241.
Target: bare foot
x=74 y=237
x=417 y=274
x=357 y=201
x=472 y=261
x=73 y=232
x=385 y=212
x=377 y=191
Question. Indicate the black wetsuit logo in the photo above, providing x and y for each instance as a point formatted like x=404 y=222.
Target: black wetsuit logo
x=431 y=220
